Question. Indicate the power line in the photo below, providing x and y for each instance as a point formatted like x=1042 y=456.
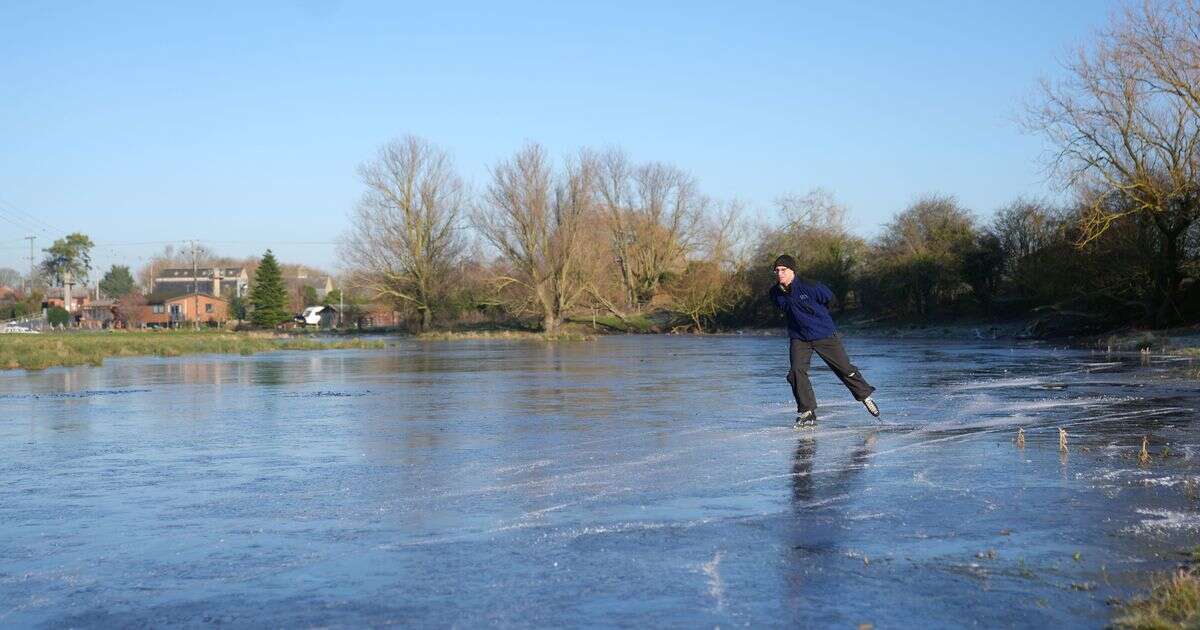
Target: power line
x=24 y=224
x=37 y=220
x=272 y=243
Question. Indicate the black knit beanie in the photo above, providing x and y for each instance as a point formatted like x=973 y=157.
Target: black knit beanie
x=785 y=261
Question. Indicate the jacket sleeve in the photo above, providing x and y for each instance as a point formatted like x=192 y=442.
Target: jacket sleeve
x=778 y=297
x=823 y=294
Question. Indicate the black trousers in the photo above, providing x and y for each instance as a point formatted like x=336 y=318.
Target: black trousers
x=831 y=351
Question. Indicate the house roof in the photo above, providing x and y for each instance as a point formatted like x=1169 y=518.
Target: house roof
x=315 y=282
x=201 y=272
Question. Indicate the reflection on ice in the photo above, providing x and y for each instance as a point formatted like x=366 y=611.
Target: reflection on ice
x=634 y=481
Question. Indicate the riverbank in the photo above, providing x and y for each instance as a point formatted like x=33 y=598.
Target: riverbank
x=38 y=352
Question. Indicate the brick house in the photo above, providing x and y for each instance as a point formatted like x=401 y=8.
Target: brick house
x=379 y=316
x=55 y=297
x=97 y=314
x=165 y=309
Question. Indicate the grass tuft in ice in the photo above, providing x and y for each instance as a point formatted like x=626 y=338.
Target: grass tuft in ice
x=1191 y=490
x=1172 y=603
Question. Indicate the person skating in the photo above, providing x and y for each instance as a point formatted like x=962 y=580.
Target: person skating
x=811 y=329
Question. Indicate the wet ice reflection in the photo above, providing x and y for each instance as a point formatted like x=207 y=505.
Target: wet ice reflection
x=630 y=480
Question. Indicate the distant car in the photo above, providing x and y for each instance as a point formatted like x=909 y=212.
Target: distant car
x=14 y=329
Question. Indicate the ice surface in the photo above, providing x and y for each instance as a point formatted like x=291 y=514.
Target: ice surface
x=631 y=481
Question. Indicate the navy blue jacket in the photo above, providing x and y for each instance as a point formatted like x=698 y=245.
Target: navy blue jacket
x=805 y=306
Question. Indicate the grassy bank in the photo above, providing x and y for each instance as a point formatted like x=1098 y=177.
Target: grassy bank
x=633 y=324
x=37 y=352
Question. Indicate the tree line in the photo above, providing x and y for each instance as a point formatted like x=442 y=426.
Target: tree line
x=544 y=240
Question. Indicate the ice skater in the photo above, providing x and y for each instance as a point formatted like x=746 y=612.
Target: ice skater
x=811 y=329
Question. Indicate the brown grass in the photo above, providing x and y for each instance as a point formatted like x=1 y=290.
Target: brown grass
x=1173 y=602
x=38 y=352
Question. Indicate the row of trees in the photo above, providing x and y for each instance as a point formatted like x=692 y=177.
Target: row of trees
x=600 y=232
x=596 y=231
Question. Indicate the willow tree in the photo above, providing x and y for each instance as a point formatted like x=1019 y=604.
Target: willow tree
x=1124 y=123
x=536 y=218
x=405 y=238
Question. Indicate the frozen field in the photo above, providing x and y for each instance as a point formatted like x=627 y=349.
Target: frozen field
x=629 y=481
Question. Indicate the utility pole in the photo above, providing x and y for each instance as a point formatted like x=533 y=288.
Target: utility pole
x=31 y=239
x=195 y=290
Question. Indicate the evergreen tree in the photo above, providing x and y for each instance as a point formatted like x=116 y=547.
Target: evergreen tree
x=238 y=308
x=269 y=296
x=117 y=282
x=333 y=298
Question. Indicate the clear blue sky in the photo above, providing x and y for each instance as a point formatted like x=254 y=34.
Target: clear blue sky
x=242 y=125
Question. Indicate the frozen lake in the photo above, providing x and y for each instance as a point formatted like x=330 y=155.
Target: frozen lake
x=632 y=481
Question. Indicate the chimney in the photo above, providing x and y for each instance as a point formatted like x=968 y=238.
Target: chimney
x=216 y=282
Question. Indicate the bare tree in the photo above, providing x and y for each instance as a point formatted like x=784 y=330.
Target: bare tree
x=1165 y=39
x=653 y=211
x=405 y=232
x=814 y=232
x=817 y=209
x=707 y=285
x=1024 y=227
x=535 y=219
x=130 y=309
x=10 y=277
x=1125 y=127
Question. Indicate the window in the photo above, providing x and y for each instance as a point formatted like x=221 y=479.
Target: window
x=158 y=308
x=208 y=307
